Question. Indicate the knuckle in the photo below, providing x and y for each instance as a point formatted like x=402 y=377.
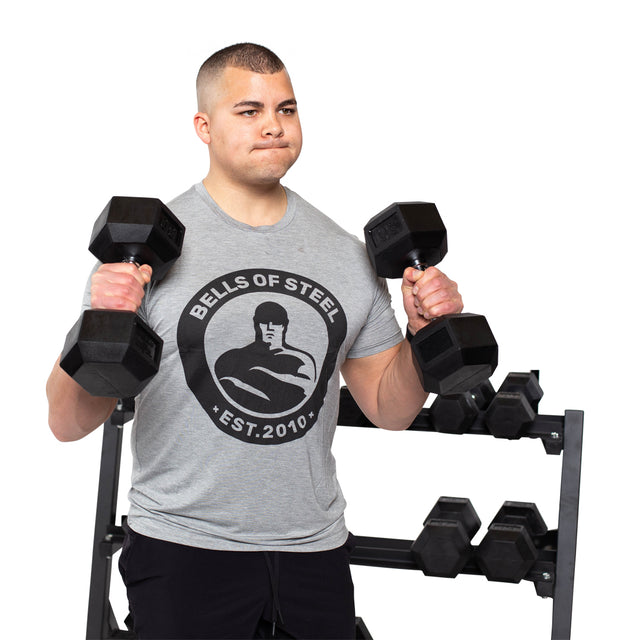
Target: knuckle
x=130 y=288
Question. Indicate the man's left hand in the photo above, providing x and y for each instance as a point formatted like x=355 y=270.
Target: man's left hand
x=427 y=295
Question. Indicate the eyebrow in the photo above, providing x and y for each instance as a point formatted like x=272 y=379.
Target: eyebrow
x=291 y=102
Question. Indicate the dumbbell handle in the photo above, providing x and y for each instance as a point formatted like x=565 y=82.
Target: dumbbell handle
x=416 y=263
x=131 y=260
x=422 y=266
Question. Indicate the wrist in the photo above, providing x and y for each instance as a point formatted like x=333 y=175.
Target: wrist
x=411 y=331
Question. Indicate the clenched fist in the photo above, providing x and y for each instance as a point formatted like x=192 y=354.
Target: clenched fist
x=119 y=286
x=428 y=294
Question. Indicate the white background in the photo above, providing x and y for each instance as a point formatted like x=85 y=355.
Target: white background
x=519 y=119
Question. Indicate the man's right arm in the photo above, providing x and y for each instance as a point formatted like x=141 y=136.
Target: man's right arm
x=73 y=412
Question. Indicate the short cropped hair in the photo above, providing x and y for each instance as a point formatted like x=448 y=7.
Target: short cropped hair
x=245 y=55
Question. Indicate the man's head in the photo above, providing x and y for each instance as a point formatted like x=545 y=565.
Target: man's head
x=270 y=322
x=247 y=115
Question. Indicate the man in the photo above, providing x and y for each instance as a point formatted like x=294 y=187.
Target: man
x=237 y=518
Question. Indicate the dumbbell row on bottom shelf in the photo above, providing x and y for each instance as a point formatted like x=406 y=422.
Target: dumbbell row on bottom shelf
x=506 y=553
x=517 y=545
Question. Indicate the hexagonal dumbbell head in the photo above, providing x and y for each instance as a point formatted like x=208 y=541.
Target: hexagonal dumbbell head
x=522 y=513
x=457 y=413
x=515 y=405
x=141 y=230
x=444 y=545
x=453 y=414
x=454 y=353
x=507 y=552
x=111 y=353
x=525 y=383
x=405 y=234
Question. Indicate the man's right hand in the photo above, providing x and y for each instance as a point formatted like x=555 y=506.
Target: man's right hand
x=119 y=286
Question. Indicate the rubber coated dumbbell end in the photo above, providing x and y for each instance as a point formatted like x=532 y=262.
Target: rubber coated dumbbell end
x=514 y=407
x=405 y=234
x=143 y=230
x=456 y=413
x=507 y=552
x=444 y=545
x=454 y=353
x=111 y=353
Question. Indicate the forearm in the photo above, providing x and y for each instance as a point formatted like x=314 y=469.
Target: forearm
x=400 y=393
x=74 y=413
x=386 y=386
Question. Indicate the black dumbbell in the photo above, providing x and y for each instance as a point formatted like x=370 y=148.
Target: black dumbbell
x=515 y=405
x=508 y=550
x=453 y=353
x=444 y=545
x=456 y=413
x=114 y=353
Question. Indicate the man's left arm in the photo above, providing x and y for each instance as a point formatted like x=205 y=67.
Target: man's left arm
x=386 y=385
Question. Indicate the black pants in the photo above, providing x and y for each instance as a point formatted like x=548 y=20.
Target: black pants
x=177 y=592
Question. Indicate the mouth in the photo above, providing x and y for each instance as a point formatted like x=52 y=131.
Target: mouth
x=268 y=147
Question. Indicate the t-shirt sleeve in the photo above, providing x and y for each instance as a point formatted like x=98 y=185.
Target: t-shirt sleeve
x=381 y=330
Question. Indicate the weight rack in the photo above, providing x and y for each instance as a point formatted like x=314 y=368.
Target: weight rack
x=554 y=570
x=552 y=574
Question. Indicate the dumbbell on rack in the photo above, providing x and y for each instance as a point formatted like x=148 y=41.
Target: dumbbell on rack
x=456 y=413
x=444 y=545
x=452 y=353
x=114 y=353
x=509 y=550
x=515 y=406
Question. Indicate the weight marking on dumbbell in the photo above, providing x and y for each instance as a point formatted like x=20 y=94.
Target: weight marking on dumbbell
x=173 y=231
x=387 y=229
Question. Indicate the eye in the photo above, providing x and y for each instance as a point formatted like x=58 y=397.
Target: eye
x=287 y=111
x=249 y=113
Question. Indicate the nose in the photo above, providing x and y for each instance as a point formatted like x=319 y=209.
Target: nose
x=272 y=127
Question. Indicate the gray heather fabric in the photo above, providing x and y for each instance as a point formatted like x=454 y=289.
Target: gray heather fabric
x=231 y=440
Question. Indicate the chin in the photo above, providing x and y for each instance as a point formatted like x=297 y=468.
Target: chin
x=271 y=176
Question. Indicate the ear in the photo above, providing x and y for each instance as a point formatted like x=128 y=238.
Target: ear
x=201 y=124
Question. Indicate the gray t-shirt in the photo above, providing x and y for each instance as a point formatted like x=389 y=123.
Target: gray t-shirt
x=232 y=439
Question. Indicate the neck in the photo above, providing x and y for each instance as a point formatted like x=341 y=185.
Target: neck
x=260 y=205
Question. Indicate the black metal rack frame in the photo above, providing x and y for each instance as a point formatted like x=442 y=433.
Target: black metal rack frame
x=552 y=574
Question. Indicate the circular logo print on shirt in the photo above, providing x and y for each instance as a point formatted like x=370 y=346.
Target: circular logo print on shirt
x=258 y=348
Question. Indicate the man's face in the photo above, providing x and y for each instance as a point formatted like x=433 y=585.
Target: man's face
x=254 y=132
x=272 y=334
